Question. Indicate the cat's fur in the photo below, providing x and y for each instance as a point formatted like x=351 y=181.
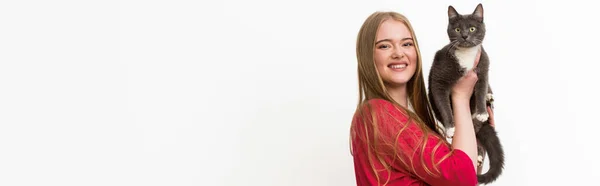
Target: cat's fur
x=466 y=33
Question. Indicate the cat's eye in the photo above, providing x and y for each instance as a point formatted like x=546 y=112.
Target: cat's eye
x=472 y=29
x=457 y=29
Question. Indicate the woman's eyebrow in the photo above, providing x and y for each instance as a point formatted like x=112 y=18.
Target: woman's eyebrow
x=403 y=39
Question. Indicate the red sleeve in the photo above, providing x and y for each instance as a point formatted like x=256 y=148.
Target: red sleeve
x=457 y=169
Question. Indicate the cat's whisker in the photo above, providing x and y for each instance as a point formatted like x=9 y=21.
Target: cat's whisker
x=452 y=47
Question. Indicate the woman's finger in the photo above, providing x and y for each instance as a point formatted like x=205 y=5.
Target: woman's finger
x=491 y=118
x=472 y=75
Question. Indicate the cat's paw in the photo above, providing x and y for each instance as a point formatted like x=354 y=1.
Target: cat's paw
x=450 y=132
x=489 y=97
x=481 y=117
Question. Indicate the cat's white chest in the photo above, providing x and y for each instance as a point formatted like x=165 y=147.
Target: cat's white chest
x=466 y=56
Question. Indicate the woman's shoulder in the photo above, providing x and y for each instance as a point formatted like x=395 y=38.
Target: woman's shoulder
x=378 y=102
x=383 y=108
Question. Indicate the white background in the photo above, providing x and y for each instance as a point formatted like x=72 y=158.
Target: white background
x=228 y=93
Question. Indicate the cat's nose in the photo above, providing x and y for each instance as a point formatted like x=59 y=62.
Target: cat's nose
x=465 y=36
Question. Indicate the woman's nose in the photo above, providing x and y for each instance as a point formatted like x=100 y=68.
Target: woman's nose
x=398 y=54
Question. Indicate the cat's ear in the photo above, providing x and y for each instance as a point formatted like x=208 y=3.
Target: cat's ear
x=452 y=12
x=478 y=13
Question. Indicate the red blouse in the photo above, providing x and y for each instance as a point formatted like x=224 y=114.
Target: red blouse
x=456 y=170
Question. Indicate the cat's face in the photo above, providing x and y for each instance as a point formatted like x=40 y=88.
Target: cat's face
x=467 y=30
x=395 y=53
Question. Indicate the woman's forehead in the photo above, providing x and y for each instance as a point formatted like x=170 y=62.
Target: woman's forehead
x=393 y=30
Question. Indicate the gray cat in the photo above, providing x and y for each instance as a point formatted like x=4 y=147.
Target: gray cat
x=466 y=33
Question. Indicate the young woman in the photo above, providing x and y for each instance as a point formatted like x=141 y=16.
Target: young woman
x=394 y=136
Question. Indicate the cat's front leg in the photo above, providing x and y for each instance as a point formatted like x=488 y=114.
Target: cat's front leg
x=441 y=99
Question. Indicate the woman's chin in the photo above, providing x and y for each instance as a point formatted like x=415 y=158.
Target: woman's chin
x=396 y=82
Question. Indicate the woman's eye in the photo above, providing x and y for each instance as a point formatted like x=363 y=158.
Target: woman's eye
x=457 y=29
x=383 y=46
x=472 y=29
x=407 y=44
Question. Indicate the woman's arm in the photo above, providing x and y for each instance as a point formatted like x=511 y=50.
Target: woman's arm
x=464 y=133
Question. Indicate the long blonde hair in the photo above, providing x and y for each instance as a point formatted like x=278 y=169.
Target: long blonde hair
x=371 y=86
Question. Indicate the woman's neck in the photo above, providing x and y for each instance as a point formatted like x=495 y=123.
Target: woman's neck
x=398 y=93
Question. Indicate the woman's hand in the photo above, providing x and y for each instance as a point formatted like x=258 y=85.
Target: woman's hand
x=491 y=118
x=463 y=89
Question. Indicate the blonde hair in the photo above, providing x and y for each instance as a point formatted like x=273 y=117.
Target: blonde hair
x=371 y=86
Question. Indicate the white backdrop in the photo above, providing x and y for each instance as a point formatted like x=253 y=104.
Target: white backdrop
x=228 y=93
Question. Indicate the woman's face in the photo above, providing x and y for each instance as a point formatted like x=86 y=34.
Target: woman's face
x=395 y=53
